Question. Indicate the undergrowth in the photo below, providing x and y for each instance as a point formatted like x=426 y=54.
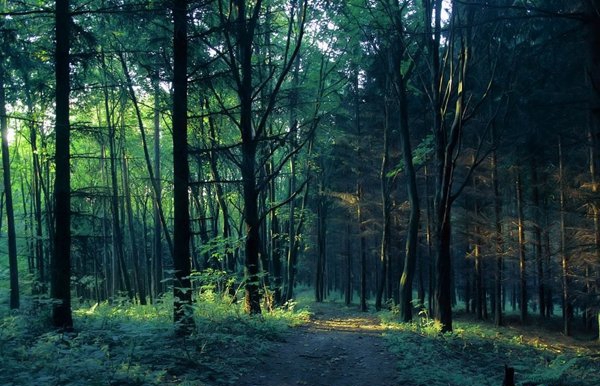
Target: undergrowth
x=476 y=353
x=131 y=344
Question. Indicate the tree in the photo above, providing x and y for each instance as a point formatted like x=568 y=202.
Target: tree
x=182 y=288
x=61 y=260
x=10 y=216
x=240 y=37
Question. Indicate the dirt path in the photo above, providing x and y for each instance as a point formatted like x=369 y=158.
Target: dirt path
x=339 y=347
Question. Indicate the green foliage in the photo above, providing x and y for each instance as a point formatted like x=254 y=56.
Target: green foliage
x=476 y=354
x=131 y=344
x=421 y=155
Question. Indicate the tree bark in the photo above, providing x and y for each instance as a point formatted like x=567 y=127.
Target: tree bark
x=363 y=249
x=522 y=260
x=135 y=249
x=408 y=273
x=321 y=249
x=10 y=216
x=349 y=288
x=61 y=262
x=182 y=288
x=498 y=285
x=245 y=35
x=157 y=260
x=537 y=235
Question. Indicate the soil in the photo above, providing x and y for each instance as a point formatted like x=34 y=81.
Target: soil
x=339 y=347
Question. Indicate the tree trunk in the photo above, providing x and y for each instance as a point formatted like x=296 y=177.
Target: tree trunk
x=275 y=239
x=408 y=273
x=522 y=261
x=245 y=34
x=537 y=235
x=61 y=262
x=10 y=216
x=385 y=192
x=229 y=262
x=155 y=187
x=136 y=251
x=349 y=288
x=594 y=128
x=321 y=249
x=498 y=286
x=182 y=288
x=157 y=260
x=117 y=234
x=41 y=280
x=363 y=250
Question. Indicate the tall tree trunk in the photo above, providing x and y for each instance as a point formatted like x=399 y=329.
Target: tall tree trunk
x=385 y=192
x=135 y=249
x=498 y=285
x=182 y=288
x=479 y=295
x=157 y=260
x=522 y=261
x=349 y=288
x=119 y=264
x=10 y=216
x=295 y=246
x=537 y=234
x=321 y=249
x=594 y=66
x=363 y=249
x=61 y=261
x=155 y=187
x=275 y=241
x=429 y=240
x=245 y=35
x=41 y=280
x=408 y=273
x=214 y=170
x=291 y=256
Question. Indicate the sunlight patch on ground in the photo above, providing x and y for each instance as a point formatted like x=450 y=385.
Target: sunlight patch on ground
x=349 y=324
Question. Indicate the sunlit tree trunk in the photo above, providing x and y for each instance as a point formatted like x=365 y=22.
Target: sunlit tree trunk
x=61 y=260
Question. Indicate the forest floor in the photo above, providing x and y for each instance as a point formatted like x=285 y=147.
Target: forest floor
x=307 y=343
x=341 y=346
x=338 y=347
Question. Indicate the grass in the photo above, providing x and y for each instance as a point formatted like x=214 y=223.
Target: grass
x=131 y=344
x=476 y=353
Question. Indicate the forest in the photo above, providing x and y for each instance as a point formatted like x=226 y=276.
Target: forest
x=193 y=191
